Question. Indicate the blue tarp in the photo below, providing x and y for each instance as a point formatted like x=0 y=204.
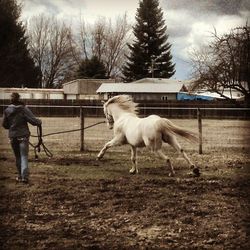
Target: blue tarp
x=185 y=96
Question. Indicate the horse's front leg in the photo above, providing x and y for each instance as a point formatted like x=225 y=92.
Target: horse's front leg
x=134 y=169
x=116 y=141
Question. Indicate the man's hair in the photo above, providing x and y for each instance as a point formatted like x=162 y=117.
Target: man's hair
x=15 y=98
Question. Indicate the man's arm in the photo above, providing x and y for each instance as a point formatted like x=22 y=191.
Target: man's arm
x=31 y=118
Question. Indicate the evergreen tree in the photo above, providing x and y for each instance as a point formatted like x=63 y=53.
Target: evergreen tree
x=150 y=54
x=92 y=68
x=17 y=68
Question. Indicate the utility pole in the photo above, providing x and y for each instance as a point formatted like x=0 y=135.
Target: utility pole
x=153 y=59
x=152 y=67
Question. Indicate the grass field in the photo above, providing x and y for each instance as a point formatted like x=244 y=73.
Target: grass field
x=75 y=202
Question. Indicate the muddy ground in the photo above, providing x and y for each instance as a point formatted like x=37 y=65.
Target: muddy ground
x=75 y=202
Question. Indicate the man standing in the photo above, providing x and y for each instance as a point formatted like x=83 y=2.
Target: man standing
x=16 y=118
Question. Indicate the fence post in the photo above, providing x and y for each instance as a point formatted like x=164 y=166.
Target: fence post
x=82 y=129
x=200 y=129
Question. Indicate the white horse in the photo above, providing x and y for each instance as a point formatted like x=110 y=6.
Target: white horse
x=121 y=114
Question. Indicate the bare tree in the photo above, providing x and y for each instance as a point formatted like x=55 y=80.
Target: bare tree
x=99 y=38
x=51 y=47
x=116 y=40
x=82 y=42
x=225 y=63
x=106 y=41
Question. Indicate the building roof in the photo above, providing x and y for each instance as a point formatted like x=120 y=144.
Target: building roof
x=164 y=80
x=227 y=93
x=171 y=87
x=147 y=85
x=88 y=80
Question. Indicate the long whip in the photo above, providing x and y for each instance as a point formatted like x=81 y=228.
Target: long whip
x=37 y=147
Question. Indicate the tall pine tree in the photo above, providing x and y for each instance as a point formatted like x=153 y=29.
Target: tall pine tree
x=150 y=54
x=17 y=68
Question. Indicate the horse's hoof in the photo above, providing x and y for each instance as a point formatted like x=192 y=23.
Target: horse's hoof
x=132 y=171
x=196 y=172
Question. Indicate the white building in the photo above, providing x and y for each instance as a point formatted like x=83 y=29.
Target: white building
x=80 y=89
x=145 y=89
x=32 y=93
x=83 y=88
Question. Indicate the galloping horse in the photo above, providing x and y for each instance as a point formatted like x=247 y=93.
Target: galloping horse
x=121 y=114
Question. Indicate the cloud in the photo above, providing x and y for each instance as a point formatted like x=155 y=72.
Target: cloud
x=228 y=22
x=198 y=7
x=58 y=8
x=89 y=9
x=175 y=20
x=189 y=22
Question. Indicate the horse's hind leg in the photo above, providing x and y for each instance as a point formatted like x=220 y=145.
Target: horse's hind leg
x=164 y=157
x=134 y=168
x=175 y=144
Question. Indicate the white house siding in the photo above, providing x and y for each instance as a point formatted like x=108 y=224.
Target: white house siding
x=71 y=97
x=38 y=96
x=4 y=96
x=141 y=91
x=153 y=96
x=56 y=96
x=31 y=93
x=88 y=97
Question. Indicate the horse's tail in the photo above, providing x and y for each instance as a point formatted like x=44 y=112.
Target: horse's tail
x=172 y=128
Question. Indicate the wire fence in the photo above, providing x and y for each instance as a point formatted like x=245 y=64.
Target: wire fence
x=217 y=134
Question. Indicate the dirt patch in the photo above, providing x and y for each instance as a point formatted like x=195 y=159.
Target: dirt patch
x=78 y=203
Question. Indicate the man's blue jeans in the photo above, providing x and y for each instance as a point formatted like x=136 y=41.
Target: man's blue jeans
x=20 y=147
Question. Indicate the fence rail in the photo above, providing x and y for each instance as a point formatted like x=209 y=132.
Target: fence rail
x=78 y=117
x=170 y=112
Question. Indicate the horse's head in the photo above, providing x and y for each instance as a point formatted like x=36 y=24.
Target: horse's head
x=123 y=103
x=109 y=117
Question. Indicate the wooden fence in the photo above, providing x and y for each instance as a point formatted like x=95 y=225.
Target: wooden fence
x=172 y=109
x=199 y=113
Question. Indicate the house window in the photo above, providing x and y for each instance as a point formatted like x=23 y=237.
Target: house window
x=164 y=98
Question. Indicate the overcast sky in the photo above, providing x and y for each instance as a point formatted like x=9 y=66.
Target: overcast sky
x=189 y=22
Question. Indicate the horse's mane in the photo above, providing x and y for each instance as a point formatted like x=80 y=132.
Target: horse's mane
x=125 y=102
